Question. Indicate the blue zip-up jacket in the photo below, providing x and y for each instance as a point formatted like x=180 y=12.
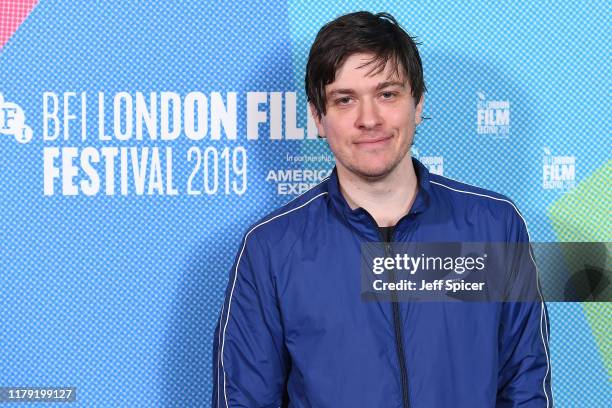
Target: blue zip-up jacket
x=294 y=331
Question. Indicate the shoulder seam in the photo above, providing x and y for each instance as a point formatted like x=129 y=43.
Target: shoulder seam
x=481 y=195
x=305 y=192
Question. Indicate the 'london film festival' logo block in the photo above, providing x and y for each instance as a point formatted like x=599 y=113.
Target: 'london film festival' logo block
x=558 y=172
x=12 y=121
x=435 y=164
x=492 y=117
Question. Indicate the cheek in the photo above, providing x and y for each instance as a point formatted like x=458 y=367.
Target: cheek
x=337 y=131
x=401 y=118
x=335 y=144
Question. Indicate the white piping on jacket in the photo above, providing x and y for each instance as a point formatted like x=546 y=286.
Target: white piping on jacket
x=229 y=305
x=542 y=314
x=219 y=358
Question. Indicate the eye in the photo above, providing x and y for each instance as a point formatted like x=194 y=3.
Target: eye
x=388 y=95
x=345 y=100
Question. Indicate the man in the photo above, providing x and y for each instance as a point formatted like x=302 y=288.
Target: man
x=294 y=330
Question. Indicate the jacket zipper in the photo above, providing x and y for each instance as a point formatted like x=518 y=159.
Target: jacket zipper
x=399 y=343
x=397 y=323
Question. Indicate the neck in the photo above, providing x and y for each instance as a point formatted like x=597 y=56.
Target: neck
x=387 y=199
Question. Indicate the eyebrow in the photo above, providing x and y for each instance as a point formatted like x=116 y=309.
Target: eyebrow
x=380 y=86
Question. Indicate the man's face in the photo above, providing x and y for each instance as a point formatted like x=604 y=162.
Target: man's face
x=370 y=119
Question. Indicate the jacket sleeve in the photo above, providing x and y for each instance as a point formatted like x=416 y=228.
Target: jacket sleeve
x=250 y=360
x=524 y=378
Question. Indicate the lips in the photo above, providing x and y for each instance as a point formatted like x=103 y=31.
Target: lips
x=372 y=140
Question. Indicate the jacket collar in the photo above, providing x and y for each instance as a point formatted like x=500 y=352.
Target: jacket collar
x=361 y=220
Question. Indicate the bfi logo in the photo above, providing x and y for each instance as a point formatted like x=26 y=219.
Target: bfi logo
x=12 y=121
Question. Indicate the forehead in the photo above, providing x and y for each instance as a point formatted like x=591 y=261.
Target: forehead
x=366 y=68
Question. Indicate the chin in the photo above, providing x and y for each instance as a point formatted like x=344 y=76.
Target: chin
x=373 y=172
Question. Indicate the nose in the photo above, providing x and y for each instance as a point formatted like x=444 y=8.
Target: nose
x=368 y=115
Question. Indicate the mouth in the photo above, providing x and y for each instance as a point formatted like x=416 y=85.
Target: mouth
x=373 y=141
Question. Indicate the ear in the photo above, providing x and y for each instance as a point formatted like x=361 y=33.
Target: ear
x=317 y=119
x=418 y=111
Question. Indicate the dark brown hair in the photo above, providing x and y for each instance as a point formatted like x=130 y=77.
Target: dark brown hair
x=361 y=32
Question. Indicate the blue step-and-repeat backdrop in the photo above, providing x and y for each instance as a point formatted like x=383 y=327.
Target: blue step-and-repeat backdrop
x=139 y=139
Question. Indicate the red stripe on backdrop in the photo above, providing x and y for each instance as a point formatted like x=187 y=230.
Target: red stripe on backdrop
x=12 y=14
